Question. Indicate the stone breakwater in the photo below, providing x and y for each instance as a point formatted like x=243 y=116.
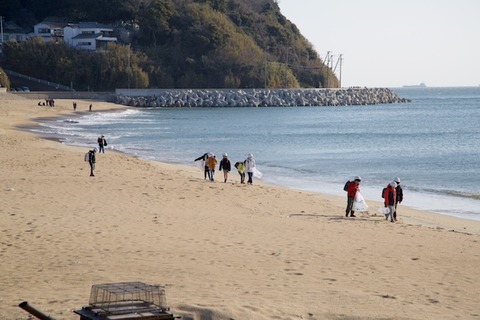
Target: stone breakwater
x=176 y=98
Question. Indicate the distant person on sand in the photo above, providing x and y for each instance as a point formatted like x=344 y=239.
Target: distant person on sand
x=204 y=159
x=250 y=166
x=101 y=144
x=91 y=160
x=352 y=189
x=241 y=170
x=390 y=197
x=226 y=166
x=90 y=107
x=399 y=196
x=212 y=163
x=74 y=106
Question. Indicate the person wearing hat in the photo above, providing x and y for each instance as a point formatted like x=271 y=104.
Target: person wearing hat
x=249 y=166
x=352 y=189
x=226 y=166
x=390 y=197
x=212 y=163
x=399 y=198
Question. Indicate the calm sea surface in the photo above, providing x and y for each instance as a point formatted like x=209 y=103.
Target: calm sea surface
x=432 y=144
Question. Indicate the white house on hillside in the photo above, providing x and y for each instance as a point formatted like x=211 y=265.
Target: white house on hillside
x=12 y=32
x=49 y=31
x=88 y=35
x=85 y=35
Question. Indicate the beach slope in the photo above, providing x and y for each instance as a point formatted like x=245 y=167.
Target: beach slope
x=222 y=250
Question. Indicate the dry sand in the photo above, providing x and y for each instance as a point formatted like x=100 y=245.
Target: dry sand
x=222 y=251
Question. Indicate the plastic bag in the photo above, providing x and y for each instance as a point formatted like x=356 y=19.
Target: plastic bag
x=384 y=210
x=359 y=203
x=257 y=174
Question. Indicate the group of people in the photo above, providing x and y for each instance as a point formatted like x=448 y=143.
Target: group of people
x=48 y=103
x=90 y=156
x=392 y=195
x=210 y=163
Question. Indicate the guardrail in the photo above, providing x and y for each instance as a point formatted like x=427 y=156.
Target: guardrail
x=80 y=95
x=57 y=86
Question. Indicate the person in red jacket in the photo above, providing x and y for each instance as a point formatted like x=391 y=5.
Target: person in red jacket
x=390 y=197
x=352 y=189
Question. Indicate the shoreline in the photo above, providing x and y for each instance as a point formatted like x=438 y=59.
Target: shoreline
x=456 y=225
x=279 y=184
x=221 y=250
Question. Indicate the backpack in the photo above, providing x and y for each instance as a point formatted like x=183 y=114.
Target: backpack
x=383 y=192
x=345 y=187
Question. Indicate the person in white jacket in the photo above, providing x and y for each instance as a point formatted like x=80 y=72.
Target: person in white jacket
x=250 y=165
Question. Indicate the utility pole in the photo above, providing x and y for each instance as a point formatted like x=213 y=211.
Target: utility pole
x=1 y=28
x=327 y=63
x=339 y=63
x=286 y=66
x=129 y=66
x=265 y=67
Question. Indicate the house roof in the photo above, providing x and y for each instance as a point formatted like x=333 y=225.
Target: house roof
x=12 y=28
x=93 y=25
x=54 y=25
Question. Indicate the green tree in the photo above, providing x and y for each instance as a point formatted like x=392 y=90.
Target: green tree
x=154 y=21
x=4 y=80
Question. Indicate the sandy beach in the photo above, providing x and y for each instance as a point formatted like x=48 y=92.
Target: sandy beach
x=221 y=250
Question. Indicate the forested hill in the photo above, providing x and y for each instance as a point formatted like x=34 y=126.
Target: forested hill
x=173 y=44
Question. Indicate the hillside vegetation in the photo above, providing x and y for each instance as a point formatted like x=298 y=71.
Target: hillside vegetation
x=175 y=44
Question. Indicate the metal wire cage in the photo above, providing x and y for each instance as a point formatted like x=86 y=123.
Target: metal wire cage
x=111 y=295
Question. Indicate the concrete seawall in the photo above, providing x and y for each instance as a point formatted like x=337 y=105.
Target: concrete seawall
x=176 y=98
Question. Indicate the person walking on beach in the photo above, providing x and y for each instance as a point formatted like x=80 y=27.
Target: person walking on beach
x=352 y=189
x=399 y=198
x=390 y=197
x=91 y=160
x=74 y=106
x=204 y=159
x=101 y=144
x=226 y=166
x=250 y=166
x=241 y=170
x=212 y=163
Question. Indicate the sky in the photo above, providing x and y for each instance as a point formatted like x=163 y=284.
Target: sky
x=391 y=43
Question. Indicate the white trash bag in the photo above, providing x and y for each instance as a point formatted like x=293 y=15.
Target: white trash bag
x=257 y=174
x=200 y=164
x=384 y=210
x=359 y=203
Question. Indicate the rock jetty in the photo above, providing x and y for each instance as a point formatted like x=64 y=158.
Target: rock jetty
x=194 y=98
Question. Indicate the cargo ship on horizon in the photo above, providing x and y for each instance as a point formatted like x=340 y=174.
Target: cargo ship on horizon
x=421 y=85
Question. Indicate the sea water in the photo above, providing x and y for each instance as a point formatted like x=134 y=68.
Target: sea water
x=432 y=144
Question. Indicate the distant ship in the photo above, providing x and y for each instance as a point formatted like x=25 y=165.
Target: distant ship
x=421 y=85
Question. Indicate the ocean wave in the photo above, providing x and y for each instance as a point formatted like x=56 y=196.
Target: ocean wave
x=448 y=192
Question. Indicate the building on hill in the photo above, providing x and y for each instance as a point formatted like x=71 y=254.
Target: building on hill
x=49 y=30
x=88 y=35
x=84 y=35
x=11 y=31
